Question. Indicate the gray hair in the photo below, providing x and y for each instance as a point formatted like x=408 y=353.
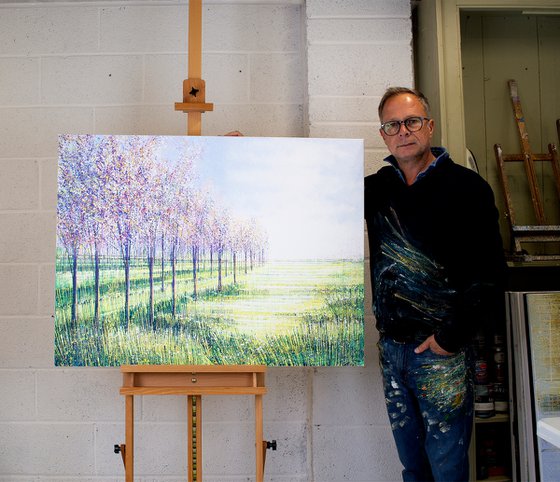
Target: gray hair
x=393 y=91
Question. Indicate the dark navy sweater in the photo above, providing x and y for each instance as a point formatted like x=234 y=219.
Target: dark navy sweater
x=437 y=264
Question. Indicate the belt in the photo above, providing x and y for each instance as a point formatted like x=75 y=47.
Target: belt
x=404 y=339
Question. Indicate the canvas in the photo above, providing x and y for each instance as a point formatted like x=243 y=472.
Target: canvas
x=209 y=250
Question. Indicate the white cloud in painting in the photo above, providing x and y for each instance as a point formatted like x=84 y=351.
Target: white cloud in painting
x=307 y=193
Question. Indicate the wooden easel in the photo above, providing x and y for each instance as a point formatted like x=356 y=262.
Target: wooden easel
x=541 y=231
x=193 y=380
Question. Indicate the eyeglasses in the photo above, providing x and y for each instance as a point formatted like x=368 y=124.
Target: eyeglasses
x=413 y=124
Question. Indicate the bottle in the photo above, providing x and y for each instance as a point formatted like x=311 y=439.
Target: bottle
x=500 y=398
x=481 y=371
x=481 y=360
x=500 y=375
x=484 y=401
x=499 y=360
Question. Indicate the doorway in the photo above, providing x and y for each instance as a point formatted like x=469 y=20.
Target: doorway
x=497 y=46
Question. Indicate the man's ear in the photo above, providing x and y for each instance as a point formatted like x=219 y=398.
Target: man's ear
x=431 y=125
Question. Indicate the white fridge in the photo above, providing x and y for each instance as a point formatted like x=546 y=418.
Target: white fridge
x=533 y=322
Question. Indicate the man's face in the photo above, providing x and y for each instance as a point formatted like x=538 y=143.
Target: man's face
x=407 y=146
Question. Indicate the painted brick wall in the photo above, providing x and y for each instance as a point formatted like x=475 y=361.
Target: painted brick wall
x=273 y=68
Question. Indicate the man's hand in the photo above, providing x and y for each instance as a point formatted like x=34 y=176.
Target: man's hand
x=431 y=344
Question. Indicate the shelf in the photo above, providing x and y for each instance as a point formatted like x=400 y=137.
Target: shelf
x=498 y=418
x=193 y=380
x=496 y=478
x=549 y=429
x=165 y=390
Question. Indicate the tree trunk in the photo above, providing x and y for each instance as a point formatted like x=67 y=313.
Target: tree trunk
x=162 y=263
x=97 y=292
x=126 y=264
x=234 y=267
x=151 y=316
x=74 y=319
x=173 y=285
x=219 y=270
x=195 y=267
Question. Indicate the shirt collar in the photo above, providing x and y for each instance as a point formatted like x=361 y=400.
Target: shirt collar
x=439 y=154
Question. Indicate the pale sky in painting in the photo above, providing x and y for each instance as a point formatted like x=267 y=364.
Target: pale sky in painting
x=306 y=193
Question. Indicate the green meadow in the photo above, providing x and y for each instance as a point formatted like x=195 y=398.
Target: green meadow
x=277 y=314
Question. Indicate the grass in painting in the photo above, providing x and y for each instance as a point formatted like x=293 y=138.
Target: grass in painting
x=277 y=314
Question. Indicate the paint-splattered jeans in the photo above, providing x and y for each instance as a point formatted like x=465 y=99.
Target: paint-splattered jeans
x=430 y=405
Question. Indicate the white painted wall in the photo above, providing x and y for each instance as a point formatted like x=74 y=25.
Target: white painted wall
x=272 y=68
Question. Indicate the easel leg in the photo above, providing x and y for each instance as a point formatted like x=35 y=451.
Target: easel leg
x=259 y=452
x=129 y=429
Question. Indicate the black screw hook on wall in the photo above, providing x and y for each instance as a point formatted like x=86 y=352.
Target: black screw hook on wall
x=266 y=446
x=120 y=449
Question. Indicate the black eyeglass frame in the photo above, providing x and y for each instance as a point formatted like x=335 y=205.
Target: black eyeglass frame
x=405 y=121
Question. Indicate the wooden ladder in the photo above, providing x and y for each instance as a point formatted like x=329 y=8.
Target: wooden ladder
x=541 y=231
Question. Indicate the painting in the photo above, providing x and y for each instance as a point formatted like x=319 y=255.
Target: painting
x=209 y=250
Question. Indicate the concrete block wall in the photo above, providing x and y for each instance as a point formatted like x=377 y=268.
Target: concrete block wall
x=355 y=50
x=273 y=68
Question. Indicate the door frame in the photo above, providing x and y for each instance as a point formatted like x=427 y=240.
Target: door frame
x=438 y=66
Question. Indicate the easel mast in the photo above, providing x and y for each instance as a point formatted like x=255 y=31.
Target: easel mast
x=194 y=88
x=194 y=104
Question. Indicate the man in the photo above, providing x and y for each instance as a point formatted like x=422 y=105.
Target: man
x=436 y=268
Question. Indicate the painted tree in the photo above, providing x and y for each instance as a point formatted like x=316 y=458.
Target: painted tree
x=247 y=243
x=71 y=209
x=129 y=156
x=99 y=171
x=257 y=243
x=197 y=231
x=218 y=237
x=178 y=202
x=235 y=244
x=260 y=244
x=151 y=209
